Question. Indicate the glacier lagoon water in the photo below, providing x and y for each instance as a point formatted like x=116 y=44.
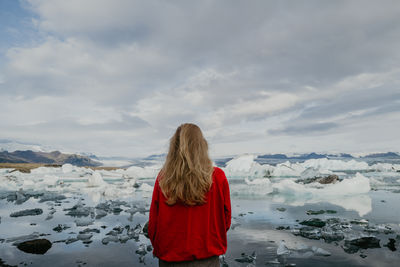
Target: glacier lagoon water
x=267 y=208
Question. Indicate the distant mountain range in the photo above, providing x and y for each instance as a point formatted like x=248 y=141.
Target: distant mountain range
x=12 y=151
x=54 y=157
x=320 y=156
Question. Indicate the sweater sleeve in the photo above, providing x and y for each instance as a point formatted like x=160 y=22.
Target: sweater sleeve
x=153 y=215
x=227 y=202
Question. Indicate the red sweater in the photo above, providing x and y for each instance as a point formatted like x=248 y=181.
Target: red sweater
x=182 y=233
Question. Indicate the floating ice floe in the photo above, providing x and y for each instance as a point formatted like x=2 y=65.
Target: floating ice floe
x=359 y=184
x=300 y=251
x=96 y=179
x=246 y=166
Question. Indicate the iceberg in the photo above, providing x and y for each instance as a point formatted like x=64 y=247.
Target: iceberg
x=349 y=193
x=245 y=166
x=356 y=185
x=96 y=179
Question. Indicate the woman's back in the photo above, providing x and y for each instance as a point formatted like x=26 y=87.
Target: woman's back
x=190 y=210
x=181 y=232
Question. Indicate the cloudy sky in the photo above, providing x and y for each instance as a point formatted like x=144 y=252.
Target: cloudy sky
x=116 y=77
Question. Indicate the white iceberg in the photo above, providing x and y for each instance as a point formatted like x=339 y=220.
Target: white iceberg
x=96 y=179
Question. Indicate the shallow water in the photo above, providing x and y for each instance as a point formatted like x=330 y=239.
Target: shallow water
x=257 y=211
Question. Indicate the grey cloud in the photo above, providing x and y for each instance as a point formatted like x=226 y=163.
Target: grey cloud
x=304 y=129
x=169 y=62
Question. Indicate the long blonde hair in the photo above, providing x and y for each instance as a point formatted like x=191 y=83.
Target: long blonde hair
x=187 y=172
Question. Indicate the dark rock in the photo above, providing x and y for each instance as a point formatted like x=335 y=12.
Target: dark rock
x=359 y=222
x=59 y=228
x=78 y=210
x=315 y=212
x=141 y=250
x=29 y=212
x=314 y=222
x=391 y=244
x=100 y=214
x=71 y=240
x=36 y=246
x=84 y=237
x=281 y=209
x=352 y=246
x=331 y=179
x=330 y=235
x=108 y=239
x=146 y=229
x=247 y=258
x=50 y=196
x=117 y=210
x=89 y=230
x=310 y=232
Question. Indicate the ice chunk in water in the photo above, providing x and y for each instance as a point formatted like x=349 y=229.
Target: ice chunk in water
x=96 y=179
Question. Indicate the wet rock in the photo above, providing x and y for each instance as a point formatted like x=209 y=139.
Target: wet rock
x=71 y=240
x=50 y=196
x=391 y=244
x=61 y=227
x=18 y=196
x=314 y=222
x=117 y=210
x=36 y=246
x=28 y=212
x=109 y=239
x=84 y=237
x=354 y=245
x=310 y=232
x=134 y=233
x=247 y=258
x=330 y=235
x=318 y=212
x=100 y=214
x=330 y=179
x=141 y=250
x=145 y=229
x=281 y=209
x=359 y=222
x=315 y=212
x=84 y=221
x=118 y=229
x=89 y=230
x=78 y=210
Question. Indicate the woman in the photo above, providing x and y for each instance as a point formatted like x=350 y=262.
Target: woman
x=190 y=211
